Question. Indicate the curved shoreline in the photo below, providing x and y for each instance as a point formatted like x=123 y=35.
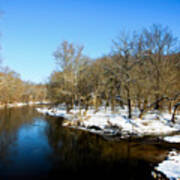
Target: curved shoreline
x=132 y=137
x=117 y=125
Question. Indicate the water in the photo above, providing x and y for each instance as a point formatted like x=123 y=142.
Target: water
x=33 y=146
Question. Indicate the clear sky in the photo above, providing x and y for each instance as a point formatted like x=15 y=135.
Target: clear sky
x=32 y=29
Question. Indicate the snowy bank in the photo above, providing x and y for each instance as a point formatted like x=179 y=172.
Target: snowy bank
x=171 y=166
x=108 y=123
x=20 y=104
x=172 y=139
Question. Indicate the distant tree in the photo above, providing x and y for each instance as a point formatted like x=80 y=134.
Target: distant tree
x=13 y=89
x=63 y=82
x=159 y=42
x=124 y=62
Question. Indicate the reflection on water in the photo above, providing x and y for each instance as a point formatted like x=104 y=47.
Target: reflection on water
x=33 y=146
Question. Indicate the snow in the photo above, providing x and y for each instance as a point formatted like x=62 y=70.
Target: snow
x=153 y=124
x=172 y=139
x=20 y=104
x=171 y=166
x=55 y=112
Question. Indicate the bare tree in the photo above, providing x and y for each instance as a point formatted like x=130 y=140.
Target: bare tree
x=70 y=61
x=124 y=52
x=159 y=42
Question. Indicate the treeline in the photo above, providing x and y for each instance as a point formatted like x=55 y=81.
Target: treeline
x=14 y=90
x=142 y=71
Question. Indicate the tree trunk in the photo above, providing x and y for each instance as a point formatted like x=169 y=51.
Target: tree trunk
x=174 y=112
x=170 y=107
x=67 y=108
x=107 y=104
x=141 y=114
x=157 y=103
x=112 y=104
x=129 y=108
x=129 y=104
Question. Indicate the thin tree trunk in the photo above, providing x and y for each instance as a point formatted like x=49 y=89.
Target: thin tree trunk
x=112 y=104
x=174 y=112
x=129 y=104
x=170 y=107
x=129 y=108
x=157 y=103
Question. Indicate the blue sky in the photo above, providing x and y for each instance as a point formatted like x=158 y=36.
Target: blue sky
x=32 y=29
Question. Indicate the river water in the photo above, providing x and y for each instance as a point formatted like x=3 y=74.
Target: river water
x=33 y=146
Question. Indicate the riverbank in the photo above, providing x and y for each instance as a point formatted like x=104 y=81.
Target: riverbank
x=155 y=126
x=104 y=122
x=171 y=166
x=20 y=104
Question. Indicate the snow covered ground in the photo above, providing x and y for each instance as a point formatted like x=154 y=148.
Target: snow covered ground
x=172 y=139
x=106 y=122
x=20 y=104
x=171 y=166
